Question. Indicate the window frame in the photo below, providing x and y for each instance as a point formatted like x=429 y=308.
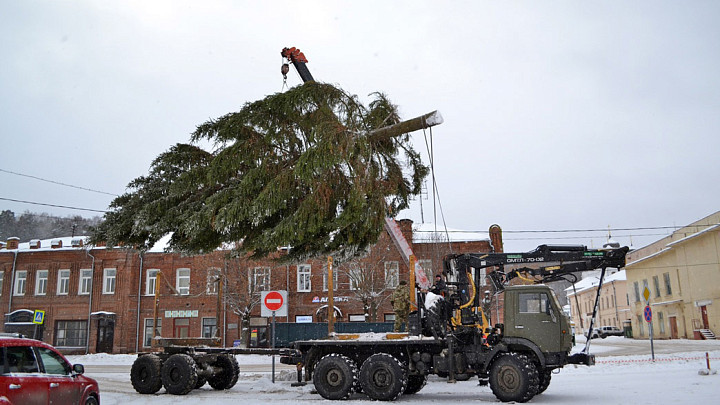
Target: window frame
x=262 y=273
x=79 y=327
x=63 y=282
x=20 y=282
x=147 y=331
x=151 y=276
x=213 y=328
x=392 y=273
x=85 y=282
x=325 y=279
x=109 y=281
x=41 y=282
x=668 y=283
x=213 y=281
x=304 y=278
x=180 y=277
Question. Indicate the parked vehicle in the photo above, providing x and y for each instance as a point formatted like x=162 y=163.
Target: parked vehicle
x=34 y=372
x=605 y=331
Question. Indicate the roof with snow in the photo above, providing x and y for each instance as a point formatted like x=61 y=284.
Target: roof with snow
x=436 y=232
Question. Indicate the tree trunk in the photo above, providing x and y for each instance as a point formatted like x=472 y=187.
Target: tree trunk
x=414 y=124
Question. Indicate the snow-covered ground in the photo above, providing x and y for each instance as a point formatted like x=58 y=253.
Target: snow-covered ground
x=672 y=378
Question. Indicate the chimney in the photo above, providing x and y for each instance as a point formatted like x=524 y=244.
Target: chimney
x=496 y=238
x=35 y=244
x=13 y=243
x=56 y=244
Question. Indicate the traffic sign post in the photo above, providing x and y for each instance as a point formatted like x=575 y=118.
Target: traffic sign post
x=647 y=313
x=273 y=303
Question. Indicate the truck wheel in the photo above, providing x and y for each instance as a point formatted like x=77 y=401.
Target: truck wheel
x=383 y=377
x=544 y=383
x=145 y=374
x=415 y=383
x=335 y=376
x=225 y=379
x=179 y=375
x=513 y=377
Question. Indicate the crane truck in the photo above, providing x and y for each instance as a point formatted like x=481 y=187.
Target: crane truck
x=450 y=336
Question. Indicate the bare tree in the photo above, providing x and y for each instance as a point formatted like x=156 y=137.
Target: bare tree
x=241 y=291
x=368 y=283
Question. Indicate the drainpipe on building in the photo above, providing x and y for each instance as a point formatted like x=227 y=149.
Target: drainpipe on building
x=137 y=322
x=92 y=276
x=12 y=282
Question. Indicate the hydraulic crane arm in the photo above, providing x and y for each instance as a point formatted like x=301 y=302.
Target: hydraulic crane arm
x=298 y=60
x=556 y=262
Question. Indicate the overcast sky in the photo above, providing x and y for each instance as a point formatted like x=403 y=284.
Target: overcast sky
x=558 y=115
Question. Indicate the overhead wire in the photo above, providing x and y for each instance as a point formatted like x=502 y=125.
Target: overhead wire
x=58 y=183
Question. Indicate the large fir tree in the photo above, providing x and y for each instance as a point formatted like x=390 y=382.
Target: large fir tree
x=307 y=168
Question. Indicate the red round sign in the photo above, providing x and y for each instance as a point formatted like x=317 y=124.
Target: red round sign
x=273 y=300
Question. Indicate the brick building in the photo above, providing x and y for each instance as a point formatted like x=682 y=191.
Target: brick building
x=103 y=300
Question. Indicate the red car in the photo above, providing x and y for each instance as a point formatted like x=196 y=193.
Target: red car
x=33 y=372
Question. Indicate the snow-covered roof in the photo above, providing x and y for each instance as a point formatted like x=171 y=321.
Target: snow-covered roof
x=47 y=244
x=431 y=232
x=591 y=282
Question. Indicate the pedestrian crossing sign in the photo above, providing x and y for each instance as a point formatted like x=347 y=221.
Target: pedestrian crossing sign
x=39 y=317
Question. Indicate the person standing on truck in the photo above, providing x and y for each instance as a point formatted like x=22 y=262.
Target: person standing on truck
x=401 y=305
x=439 y=288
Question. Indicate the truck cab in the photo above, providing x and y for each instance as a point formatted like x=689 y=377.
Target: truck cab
x=532 y=312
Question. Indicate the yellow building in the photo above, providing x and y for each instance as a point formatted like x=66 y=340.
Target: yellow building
x=613 y=305
x=680 y=275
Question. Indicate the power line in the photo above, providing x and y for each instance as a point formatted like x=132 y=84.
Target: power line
x=52 y=205
x=58 y=183
x=648 y=228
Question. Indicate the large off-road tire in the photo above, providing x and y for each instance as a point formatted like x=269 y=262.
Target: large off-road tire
x=513 y=377
x=335 y=376
x=225 y=379
x=145 y=374
x=544 y=380
x=415 y=383
x=179 y=374
x=383 y=377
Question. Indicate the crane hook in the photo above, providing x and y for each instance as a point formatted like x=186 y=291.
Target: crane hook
x=284 y=70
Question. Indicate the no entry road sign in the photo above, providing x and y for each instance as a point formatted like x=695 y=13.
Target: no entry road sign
x=274 y=301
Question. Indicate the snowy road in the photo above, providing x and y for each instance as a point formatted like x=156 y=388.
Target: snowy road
x=614 y=380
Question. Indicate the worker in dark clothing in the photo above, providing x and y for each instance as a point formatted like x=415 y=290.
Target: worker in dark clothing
x=439 y=288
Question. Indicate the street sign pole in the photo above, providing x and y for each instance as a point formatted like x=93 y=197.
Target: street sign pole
x=648 y=319
x=273 y=346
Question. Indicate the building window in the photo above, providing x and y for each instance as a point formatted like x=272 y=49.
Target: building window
x=427 y=267
x=656 y=284
x=2 y=278
x=303 y=278
x=356 y=276
x=213 y=281
x=259 y=279
x=41 y=280
x=668 y=286
x=20 y=279
x=182 y=281
x=109 y=277
x=85 y=282
x=637 y=291
x=209 y=327
x=63 y=283
x=641 y=324
x=661 y=321
x=325 y=279
x=182 y=327
x=392 y=274
x=150 y=281
x=71 y=333
x=147 y=341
